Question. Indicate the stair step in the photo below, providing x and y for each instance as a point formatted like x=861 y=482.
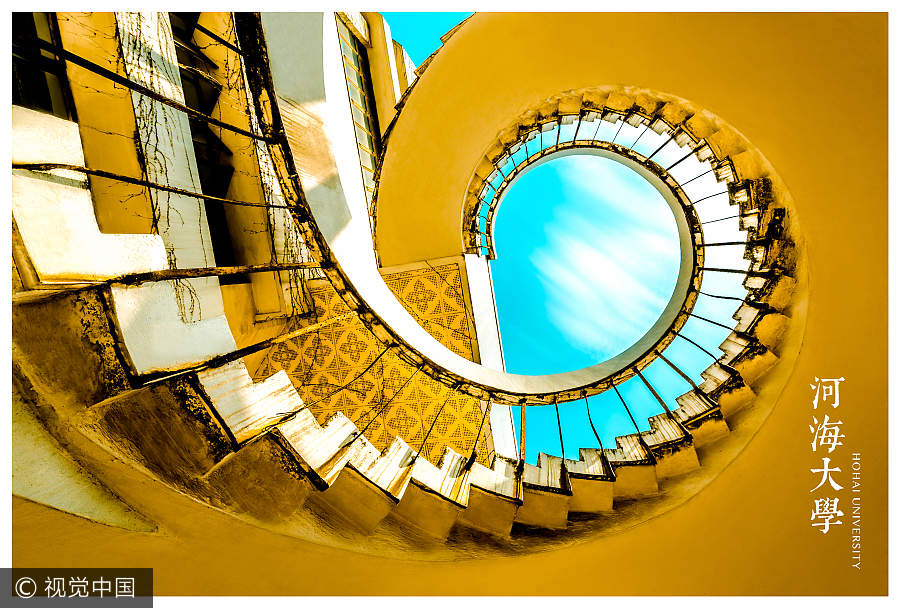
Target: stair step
x=674 y=114
x=547 y=474
x=634 y=468
x=780 y=293
x=450 y=479
x=745 y=316
x=733 y=345
x=664 y=430
x=248 y=407
x=545 y=494
x=494 y=497
x=702 y=417
x=392 y=470
x=672 y=447
x=701 y=125
x=619 y=100
x=261 y=479
x=429 y=502
x=361 y=490
x=157 y=338
x=629 y=450
x=592 y=462
x=714 y=376
x=55 y=216
x=770 y=330
x=735 y=400
x=326 y=450
x=692 y=405
x=591 y=479
x=167 y=427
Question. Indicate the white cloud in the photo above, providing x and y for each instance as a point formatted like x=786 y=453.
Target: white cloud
x=611 y=262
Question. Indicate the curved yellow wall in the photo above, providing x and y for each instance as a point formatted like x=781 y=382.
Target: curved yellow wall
x=780 y=80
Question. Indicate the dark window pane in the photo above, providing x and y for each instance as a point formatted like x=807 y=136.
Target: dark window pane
x=39 y=77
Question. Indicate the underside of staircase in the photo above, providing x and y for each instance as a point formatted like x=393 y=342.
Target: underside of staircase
x=202 y=426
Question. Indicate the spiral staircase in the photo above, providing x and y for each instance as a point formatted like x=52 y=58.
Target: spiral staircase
x=105 y=357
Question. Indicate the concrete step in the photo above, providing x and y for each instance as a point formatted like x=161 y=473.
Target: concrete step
x=392 y=470
x=672 y=447
x=435 y=496
x=714 y=376
x=262 y=479
x=324 y=450
x=350 y=493
x=54 y=217
x=452 y=479
x=592 y=479
x=494 y=496
x=167 y=428
x=249 y=408
x=701 y=416
x=634 y=467
x=546 y=493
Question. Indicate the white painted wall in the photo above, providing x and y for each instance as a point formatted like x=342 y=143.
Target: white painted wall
x=148 y=52
x=170 y=324
x=487 y=331
x=287 y=240
x=484 y=310
x=54 y=212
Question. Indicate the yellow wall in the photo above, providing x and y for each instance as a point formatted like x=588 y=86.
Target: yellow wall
x=733 y=65
x=106 y=121
x=248 y=226
x=810 y=91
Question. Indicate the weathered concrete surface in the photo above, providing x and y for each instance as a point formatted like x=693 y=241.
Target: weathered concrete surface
x=261 y=479
x=167 y=428
x=44 y=472
x=65 y=348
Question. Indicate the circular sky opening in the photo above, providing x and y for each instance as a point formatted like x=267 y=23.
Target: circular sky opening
x=587 y=259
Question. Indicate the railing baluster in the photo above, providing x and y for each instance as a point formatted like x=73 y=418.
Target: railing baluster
x=360 y=433
x=562 y=445
x=433 y=422
x=587 y=406
x=653 y=392
x=683 y=337
x=474 y=454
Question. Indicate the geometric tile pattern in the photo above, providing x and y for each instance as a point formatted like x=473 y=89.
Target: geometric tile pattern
x=433 y=295
x=322 y=366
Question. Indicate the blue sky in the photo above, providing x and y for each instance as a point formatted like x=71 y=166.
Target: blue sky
x=590 y=249
x=420 y=33
x=587 y=258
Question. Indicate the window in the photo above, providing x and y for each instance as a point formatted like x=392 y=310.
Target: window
x=39 y=76
x=214 y=159
x=362 y=105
